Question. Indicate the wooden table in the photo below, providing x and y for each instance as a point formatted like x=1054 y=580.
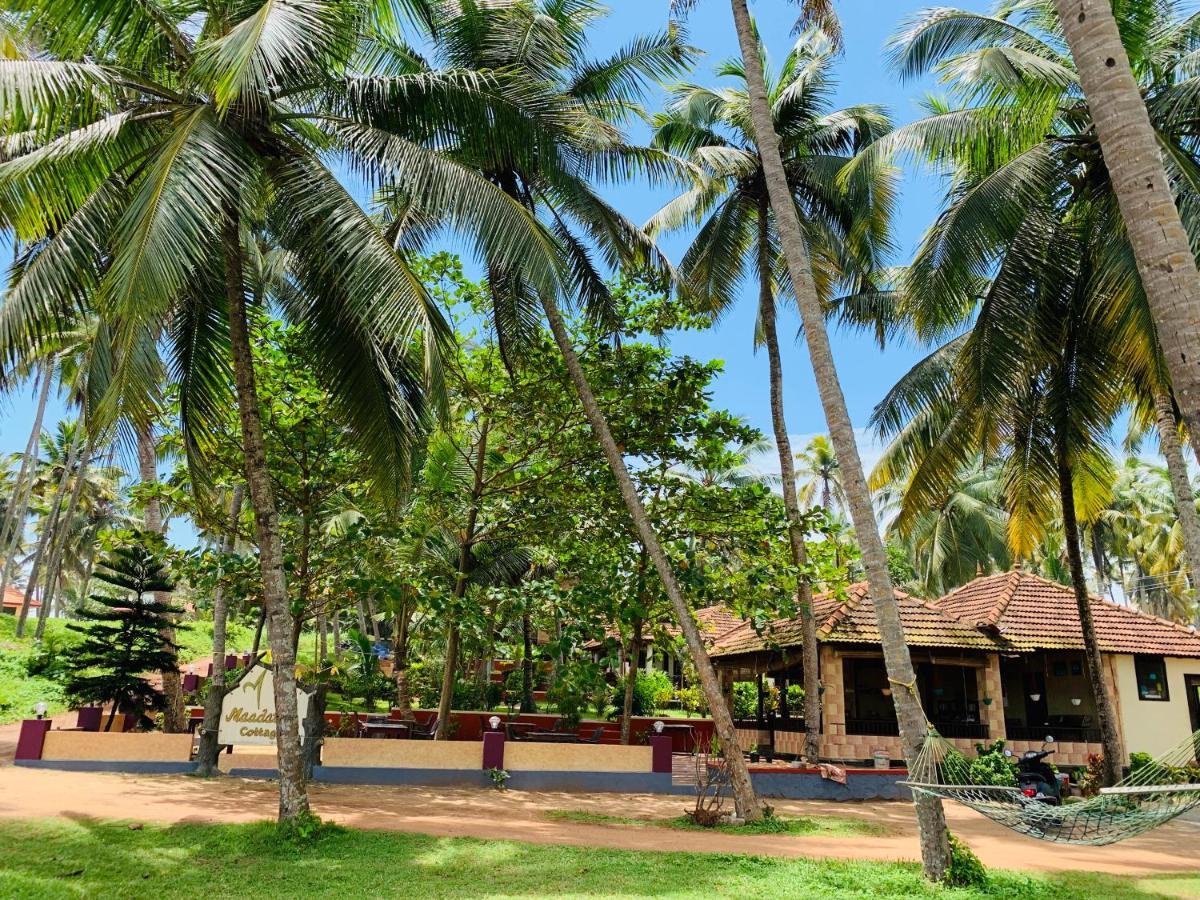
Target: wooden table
x=686 y=732
x=394 y=730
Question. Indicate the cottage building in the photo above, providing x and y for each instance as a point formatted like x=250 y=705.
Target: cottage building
x=10 y=603
x=998 y=658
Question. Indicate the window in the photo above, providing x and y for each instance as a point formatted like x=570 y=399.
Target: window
x=1151 y=677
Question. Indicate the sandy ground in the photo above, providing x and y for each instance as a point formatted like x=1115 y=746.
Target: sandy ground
x=521 y=815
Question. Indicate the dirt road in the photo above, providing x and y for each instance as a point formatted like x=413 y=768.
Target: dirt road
x=522 y=816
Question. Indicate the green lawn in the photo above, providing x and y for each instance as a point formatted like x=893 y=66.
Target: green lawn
x=819 y=825
x=20 y=691
x=85 y=859
x=195 y=641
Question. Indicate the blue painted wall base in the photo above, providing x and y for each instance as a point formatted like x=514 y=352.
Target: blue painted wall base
x=129 y=767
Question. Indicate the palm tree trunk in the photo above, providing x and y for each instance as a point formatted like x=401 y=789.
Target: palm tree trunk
x=18 y=509
x=49 y=531
x=1105 y=712
x=293 y=796
x=791 y=503
x=528 y=704
x=1132 y=157
x=1181 y=486
x=400 y=657
x=174 y=718
x=466 y=562
x=446 y=697
x=935 y=845
x=58 y=547
x=208 y=750
x=633 y=655
x=747 y=804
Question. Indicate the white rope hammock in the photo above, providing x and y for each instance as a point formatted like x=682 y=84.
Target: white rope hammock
x=1149 y=797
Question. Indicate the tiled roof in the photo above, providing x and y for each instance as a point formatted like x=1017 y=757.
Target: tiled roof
x=1027 y=612
x=14 y=597
x=849 y=618
x=713 y=620
x=1013 y=611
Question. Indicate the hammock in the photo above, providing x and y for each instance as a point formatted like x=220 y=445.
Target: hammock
x=1149 y=797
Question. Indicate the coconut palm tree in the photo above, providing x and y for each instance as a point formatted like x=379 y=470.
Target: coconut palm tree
x=960 y=538
x=935 y=847
x=566 y=137
x=16 y=510
x=1016 y=93
x=820 y=475
x=1111 y=76
x=1027 y=175
x=172 y=135
x=737 y=235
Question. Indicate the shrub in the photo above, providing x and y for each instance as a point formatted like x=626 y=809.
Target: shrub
x=576 y=685
x=1149 y=770
x=371 y=687
x=1092 y=778
x=965 y=870
x=745 y=700
x=692 y=700
x=651 y=690
x=48 y=659
x=468 y=694
x=795 y=695
x=990 y=767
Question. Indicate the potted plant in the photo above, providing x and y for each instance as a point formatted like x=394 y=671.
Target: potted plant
x=769 y=753
x=753 y=753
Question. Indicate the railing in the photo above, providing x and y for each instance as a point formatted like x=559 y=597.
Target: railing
x=976 y=731
x=1060 y=733
x=873 y=727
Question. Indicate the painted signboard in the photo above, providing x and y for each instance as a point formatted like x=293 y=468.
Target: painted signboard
x=248 y=713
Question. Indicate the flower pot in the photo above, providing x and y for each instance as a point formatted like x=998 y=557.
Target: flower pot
x=753 y=757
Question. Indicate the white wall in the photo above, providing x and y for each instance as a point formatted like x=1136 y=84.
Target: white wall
x=1154 y=726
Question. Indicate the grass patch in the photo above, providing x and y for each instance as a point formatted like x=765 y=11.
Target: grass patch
x=19 y=690
x=821 y=825
x=195 y=641
x=52 y=859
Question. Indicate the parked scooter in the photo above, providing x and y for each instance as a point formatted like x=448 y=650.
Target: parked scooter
x=1036 y=778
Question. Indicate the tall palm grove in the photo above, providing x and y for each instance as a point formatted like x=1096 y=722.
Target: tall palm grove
x=328 y=304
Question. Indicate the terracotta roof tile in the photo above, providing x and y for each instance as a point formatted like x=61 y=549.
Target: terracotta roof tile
x=1027 y=612
x=713 y=620
x=850 y=619
x=14 y=597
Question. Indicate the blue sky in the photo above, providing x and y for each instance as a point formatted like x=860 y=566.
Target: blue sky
x=866 y=372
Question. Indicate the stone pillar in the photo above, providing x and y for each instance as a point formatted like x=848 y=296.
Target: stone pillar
x=991 y=688
x=727 y=688
x=493 y=750
x=833 y=700
x=1110 y=684
x=31 y=738
x=660 y=749
x=89 y=718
